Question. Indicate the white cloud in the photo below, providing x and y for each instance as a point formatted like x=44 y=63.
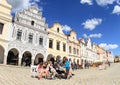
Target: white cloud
x=92 y=23
x=99 y=35
x=105 y=2
x=118 y=2
x=108 y=46
x=18 y=5
x=90 y=2
x=37 y=0
x=85 y=36
x=66 y=28
x=116 y=10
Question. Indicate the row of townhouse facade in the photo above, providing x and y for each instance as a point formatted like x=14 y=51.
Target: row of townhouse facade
x=27 y=40
x=61 y=45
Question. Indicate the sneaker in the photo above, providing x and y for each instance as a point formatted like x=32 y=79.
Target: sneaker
x=68 y=77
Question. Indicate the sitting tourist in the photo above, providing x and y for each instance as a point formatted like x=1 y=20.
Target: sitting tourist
x=43 y=72
x=51 y=70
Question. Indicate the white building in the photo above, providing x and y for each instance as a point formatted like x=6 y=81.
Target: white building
x=82 y=51
x=88 y=51
x=110 y=57
x=26 y=41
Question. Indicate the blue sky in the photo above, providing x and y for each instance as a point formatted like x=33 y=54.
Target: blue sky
x=98 y=19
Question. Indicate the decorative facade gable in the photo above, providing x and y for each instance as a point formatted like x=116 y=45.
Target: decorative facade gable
x=57 y=28
x=73 y=37
x=32 y=18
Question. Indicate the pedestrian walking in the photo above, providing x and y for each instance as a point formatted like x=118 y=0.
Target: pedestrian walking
x=108 y=63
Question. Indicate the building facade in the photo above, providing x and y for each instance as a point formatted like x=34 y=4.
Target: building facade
x=82 y=51
x=88 y=52
x=5 y=22
x=73 y=48
x=57 y=43
x=102 y=54
x=110 y=56
x=25 y=38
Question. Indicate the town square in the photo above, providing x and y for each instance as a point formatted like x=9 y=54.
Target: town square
x=35 y=51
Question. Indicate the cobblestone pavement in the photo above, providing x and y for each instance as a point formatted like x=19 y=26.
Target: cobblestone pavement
x=14 y=75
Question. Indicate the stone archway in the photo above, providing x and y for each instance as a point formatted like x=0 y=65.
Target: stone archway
x=26 y=59
x=58 y=58
x=39 y=58
x=50 y=58
x=1 y=54
x=12 y=57
x=74 y=60
x=82 y=61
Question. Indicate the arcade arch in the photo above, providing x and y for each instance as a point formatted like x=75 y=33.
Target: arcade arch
x=39 y=58
x=12 y=57
x=26 y=58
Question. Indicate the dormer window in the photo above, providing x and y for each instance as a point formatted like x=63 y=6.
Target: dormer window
x=32 y=23
x=58 y=30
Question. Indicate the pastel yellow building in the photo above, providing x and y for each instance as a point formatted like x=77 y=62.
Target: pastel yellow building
x=102 y=53
x=57 y=43
x=5 y=23
x=73 y=47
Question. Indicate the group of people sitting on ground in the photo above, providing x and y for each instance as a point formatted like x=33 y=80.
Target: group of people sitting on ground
x=49 y=70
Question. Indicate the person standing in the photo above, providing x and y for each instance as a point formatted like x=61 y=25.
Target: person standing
x=108 y=63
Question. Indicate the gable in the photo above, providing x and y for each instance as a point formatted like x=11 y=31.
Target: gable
x=73 y=36
x=32 y=18
x=57 y=28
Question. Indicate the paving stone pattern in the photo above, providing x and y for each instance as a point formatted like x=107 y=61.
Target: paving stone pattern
x=14 y=75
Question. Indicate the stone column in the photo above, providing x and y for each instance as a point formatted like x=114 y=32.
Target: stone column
x=83 y=64
x=5 y=57
x=5 y=60
x=19 y=61
x=32 y=63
